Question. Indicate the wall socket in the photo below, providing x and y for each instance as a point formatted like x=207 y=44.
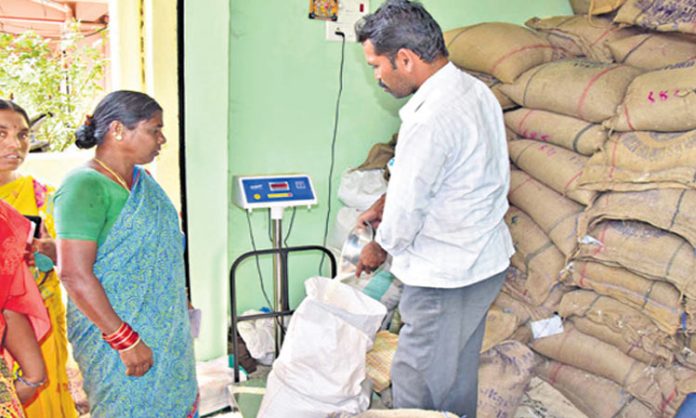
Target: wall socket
x=349 y=12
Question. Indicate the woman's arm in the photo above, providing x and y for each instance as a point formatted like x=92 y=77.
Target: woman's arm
x=22 y=345
x=76 y=259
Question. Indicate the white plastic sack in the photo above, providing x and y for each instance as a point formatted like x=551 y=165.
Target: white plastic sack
x=346 y=219
x=259 y=337
x=321 y=367
x=360 y=188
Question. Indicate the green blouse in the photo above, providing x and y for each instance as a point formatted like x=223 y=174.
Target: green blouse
x=87 y=205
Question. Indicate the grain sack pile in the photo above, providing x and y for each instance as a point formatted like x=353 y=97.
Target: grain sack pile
x=600 y=115
x=497 y=53
x=602 y=208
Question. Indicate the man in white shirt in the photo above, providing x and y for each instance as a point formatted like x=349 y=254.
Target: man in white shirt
x=441 y=219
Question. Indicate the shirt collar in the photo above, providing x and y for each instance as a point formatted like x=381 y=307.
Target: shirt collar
x=425 y=90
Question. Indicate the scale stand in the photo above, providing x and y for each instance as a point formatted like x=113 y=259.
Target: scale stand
x=274 y=193
x=280 y=279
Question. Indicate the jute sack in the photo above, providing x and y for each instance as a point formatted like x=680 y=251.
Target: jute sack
x=596 y=7
x=659 y=15
x=651 y=51
x=595 y=396
x=673 y=210
x=499 y=327
x=503 y=50
x=515 y=287
x=556 y=215
x=642 y=161
x=686 y=355
x=619 y=322
x=379 y=155
x=615 y=339
x=660 y=301
x=535 y=255
x=662 y=100
x=510 y=305
x=494 y=84
x=645 y=250
x=504 y=373
x=689 y=323
x=510 y=135
x=513 y=298
x=522 y=334
x=587 y=90
x=580 y=35
x=552 y=165
x=565 y=131
x=662 y=390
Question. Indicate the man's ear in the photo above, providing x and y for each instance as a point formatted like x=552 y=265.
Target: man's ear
x=406 y=59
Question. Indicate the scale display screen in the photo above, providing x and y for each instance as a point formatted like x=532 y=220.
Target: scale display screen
x=273 y=191
x=282 y=186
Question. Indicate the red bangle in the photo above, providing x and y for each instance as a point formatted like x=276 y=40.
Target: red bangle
x=123 y=338
x=126 y=343
x=118 y=333
x=137 y=340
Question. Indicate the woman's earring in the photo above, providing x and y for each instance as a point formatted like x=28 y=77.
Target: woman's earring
x=118 y=137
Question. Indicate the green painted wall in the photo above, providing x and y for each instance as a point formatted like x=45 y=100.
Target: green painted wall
x=282 y=84
x=206 y=75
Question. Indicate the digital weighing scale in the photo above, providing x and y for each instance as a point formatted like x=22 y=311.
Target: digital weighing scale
x=275 y=193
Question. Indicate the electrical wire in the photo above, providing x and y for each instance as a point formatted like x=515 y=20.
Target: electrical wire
x=268 y=224
x=333 y=145
x=276 y=319
x=287 y=234
x=292 y=221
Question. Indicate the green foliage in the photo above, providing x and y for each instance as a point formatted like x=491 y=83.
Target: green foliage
x=62 y=77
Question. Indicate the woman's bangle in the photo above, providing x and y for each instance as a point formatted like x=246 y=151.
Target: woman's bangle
x=132 y=346
x=30 y=384
x=123 y=328
x=127 y=342
x=123 y=338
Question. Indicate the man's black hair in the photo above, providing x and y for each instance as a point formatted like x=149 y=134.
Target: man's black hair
x=402 y=24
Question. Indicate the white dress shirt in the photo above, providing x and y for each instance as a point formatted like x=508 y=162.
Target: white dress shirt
x=447 y=195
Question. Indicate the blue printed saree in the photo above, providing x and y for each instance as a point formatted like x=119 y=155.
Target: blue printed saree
x=140 y=266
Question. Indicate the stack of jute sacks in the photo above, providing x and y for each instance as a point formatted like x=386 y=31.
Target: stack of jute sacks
x=601 y=118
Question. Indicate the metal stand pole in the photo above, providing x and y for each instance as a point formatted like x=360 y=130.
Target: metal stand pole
x=279 y=279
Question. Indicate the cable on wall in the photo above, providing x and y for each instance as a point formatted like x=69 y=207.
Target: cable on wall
x=333 y=144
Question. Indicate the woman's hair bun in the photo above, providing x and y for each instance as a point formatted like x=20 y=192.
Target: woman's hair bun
x=84 y=136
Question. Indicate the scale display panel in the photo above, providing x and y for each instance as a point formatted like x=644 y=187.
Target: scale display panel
x=256 y=192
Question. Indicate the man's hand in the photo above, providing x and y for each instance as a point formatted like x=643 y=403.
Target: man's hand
x=371 y=257
x=373 y=215
x=138 y=360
